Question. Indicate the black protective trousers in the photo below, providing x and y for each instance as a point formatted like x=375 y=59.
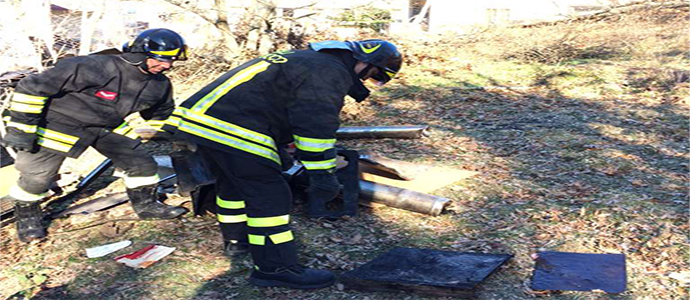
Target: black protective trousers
x=253 y=204
x=38 y=171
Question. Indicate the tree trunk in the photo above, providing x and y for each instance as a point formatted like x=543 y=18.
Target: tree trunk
x=224 y=27
x=44 y=33
x=416 y=20
x=89 y=24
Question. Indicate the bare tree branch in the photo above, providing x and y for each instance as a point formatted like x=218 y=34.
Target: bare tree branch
x=219 y=20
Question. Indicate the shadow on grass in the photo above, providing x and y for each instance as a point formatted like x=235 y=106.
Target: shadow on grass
x=555 y=160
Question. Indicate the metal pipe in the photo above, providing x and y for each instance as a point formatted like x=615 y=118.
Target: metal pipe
x=377 y=132
x=402 y=198
x=102 y=167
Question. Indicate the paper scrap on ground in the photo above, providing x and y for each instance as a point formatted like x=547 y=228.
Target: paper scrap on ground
x=106 y=249
x=145 y=257
x=682 y=276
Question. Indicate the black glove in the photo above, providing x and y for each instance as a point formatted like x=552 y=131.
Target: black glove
x=323 y=187
x=19 y=140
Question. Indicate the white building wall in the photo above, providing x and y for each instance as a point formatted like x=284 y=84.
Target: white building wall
x=460 y=15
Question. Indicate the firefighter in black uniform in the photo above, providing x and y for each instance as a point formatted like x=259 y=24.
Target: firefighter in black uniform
x=82 y=102
x=242 y=120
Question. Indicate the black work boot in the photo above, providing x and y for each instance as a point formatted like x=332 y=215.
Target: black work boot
x=234 y=248
x=28 y=219
x=145 y=203
x=294 y=276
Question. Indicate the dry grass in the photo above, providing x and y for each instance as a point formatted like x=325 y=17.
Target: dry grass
x=576 y=154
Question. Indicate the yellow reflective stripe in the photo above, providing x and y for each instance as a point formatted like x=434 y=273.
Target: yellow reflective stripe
x=156 y=124
x=132 y=134
x=390 y=74
x=229 y=204
x=18 y=193
x=121 y=126
x=241 y=77
x=26 y=108
x=122 y=129
x=268 y=221
x=58 y=136
x=180 y=111
x=240 y=131
x=126 y=130
x=369 y=50
x=229 y=141
x=223 y=126
x=312 y=144
x=232 y=218
x=23 y=127
x=167 y=52
x=257 y=239
x=55 y=145
x=319 y=165
x=135 y=182
x=29 y=99
x=173 y=121
x=282 y=237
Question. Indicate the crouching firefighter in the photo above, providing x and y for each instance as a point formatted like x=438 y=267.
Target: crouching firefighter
x=242 y=119
x=83 y=102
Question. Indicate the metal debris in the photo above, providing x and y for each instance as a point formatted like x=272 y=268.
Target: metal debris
x=579 y=272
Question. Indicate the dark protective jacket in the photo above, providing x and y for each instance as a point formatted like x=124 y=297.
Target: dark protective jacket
x=87 y=97
x=271 y=101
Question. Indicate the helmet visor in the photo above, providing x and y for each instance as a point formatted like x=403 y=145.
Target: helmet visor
x=170 y=55
x=383 y=75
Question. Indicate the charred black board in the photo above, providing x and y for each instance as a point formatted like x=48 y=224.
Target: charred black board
x=425 y=271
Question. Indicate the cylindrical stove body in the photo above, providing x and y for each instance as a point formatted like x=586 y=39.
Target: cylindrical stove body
x=402 y=198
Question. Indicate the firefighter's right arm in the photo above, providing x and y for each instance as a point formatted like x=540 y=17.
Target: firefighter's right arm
x=31 y=97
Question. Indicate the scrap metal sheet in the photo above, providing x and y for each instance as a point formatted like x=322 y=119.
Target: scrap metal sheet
x=579 y=272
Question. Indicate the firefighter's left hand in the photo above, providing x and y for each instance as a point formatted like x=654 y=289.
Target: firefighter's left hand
x=19 y=140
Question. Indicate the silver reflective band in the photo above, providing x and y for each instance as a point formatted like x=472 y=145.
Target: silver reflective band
x=135 y=182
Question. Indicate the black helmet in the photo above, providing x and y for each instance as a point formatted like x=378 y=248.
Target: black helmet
x=379 y=53
x=162 y=44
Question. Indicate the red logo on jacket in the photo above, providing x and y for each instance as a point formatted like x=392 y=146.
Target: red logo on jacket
x=106 y=95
